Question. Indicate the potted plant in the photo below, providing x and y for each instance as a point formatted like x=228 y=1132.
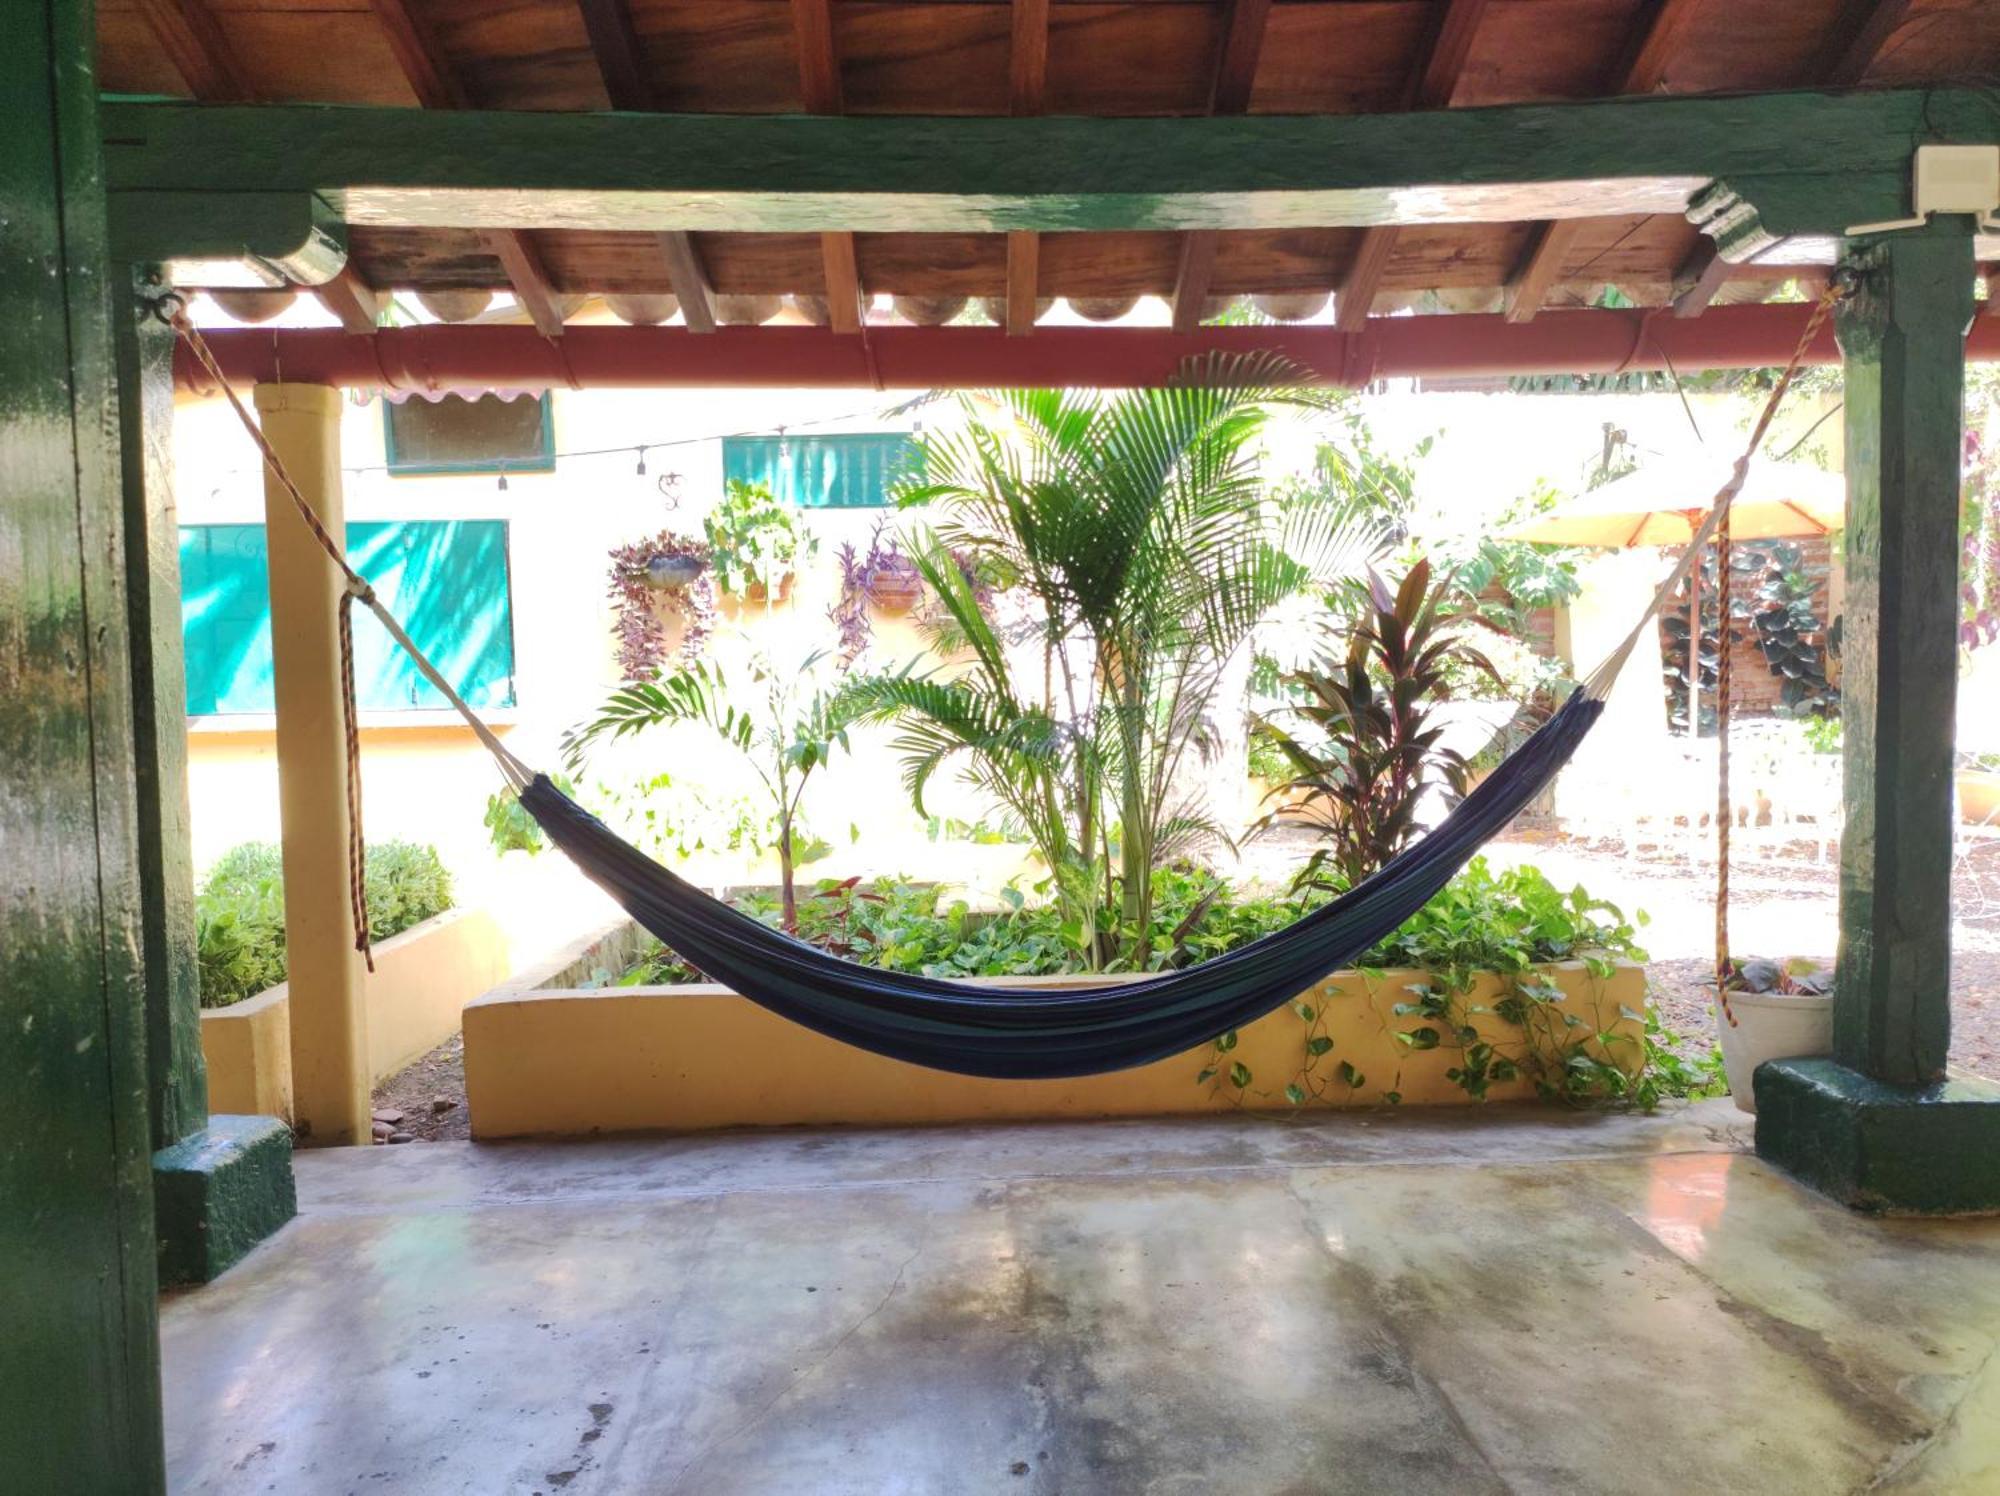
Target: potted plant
x=883 y=578
x=755 y=542
x=652 y=581
x=1978 y=783
x=1771 y=1010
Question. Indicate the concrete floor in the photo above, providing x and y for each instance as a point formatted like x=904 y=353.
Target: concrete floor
x=1502 y=1301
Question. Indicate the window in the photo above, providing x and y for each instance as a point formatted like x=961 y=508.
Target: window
x=822 y=472
x=489 y=434
x=445 y=579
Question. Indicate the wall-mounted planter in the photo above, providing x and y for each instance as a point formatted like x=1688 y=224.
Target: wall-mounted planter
x=758 y=593
x=1979 y=796
x=623 y=1059
x=894 y=593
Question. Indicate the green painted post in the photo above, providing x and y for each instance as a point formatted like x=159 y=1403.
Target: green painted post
x=178 y=1081
x=79 y=1357
x=1902 y=335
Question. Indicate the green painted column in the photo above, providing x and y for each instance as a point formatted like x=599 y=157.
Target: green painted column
x=1879 y=1125
x=220 y=1184
x=79 y=1358
x=1903 y=339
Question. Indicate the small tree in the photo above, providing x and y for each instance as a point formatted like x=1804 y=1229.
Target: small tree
x=1377 y=748
x=795 y=730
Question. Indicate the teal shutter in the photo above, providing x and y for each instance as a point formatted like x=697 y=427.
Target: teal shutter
x=846 y=471
x=445 y=579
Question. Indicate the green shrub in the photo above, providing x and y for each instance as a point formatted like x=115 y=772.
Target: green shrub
x=240 y=911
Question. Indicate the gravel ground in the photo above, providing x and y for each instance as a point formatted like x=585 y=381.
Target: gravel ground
x=1779 y=907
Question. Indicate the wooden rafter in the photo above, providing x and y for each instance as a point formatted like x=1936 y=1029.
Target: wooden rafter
x=1235 y=75
x=436 y=87
x=357 y=304
x=690 y=281
x=819 y=90
x=615 y=45
x=523 y=264
x=1432 y=84
x=186 y=31
x=1856 y=40
x=1027 y=88
x=1641 y=69
x=1702 y=275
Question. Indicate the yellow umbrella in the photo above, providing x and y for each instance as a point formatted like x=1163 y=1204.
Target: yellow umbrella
x=1663 y=506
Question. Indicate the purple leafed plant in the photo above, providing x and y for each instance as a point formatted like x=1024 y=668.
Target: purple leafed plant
x=883 y=576
x=670 y=570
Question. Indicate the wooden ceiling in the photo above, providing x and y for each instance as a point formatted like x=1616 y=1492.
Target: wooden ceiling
x=945 y=57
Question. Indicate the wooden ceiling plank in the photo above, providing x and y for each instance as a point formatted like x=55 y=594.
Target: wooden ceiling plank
x=1355 y=296
x=819 y=65
x=1856 y=40
x=1023 y=281
x=615 y=45
x=1235 y=74
x=845 y=311
x=1699 y=278
x=690 y=281
x=357 y=304
x=530 y=281
x=432 y=83
x=1434 y=80
x=186 y=32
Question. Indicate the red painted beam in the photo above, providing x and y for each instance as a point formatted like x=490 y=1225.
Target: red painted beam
x=435 y=358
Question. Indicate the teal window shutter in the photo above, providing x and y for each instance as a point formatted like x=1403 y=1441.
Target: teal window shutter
x=852 y=470
x=446 y=580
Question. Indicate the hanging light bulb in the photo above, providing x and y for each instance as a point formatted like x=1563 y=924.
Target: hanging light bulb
x=503 y=483
x=640 y=470
x=784 y=446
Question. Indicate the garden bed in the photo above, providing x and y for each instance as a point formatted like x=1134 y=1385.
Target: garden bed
x=549 y=1059
x=422 y=980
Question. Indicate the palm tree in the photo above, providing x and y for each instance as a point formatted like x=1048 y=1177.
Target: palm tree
x=1137 y=523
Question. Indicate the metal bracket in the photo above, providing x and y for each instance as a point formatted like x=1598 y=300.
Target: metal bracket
x=1948 y=179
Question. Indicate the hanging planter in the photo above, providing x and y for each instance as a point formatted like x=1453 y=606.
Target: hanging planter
x=655 y=583
x=755 y=543
x=884 y=578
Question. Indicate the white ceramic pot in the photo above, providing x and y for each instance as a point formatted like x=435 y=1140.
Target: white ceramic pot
x=1771 y=1026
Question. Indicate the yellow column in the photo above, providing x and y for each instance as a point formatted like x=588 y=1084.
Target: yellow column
x=329 y=1019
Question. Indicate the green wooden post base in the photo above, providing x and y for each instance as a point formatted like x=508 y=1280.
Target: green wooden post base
x=1897 y=1150
x=218 y=1192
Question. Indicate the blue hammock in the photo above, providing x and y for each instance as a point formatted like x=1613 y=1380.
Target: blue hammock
x=1021 y=1033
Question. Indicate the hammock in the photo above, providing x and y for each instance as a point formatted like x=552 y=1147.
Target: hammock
x=993 y=1030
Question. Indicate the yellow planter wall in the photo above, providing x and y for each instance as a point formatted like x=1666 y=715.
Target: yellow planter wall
x=693 y=1057
x=422 y=980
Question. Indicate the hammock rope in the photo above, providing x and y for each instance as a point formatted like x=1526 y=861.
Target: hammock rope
x=977 y=1029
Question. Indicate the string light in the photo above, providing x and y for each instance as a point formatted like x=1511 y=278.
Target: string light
x=503 y=483
x=640 y=470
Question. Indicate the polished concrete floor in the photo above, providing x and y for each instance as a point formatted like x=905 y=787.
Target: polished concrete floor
x=1501 y=1301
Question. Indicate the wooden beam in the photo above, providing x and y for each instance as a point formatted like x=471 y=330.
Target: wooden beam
x=417 y=56
x=186 y=31
x=1236 y=68
x=1448 y=44
x=1191 y=279
x=1528 y=287
x=1028 y=57
x=357 y=304
x=819 y=87
x=1432 y=84
x=1699 y=278
x=1856 y=40
x=1644 y=64
x=846 y=312
x=1652 y=44
x=1811 y=162
x=615 y=45
x=1024 y=252
x=690 y=281
x=530 y=281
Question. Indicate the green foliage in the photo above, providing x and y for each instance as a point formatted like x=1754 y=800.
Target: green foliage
x=1375 y=750
x=1135 y=527
x=795 y=729
x=240 y=911
x=510 y=827
x=753 y=539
